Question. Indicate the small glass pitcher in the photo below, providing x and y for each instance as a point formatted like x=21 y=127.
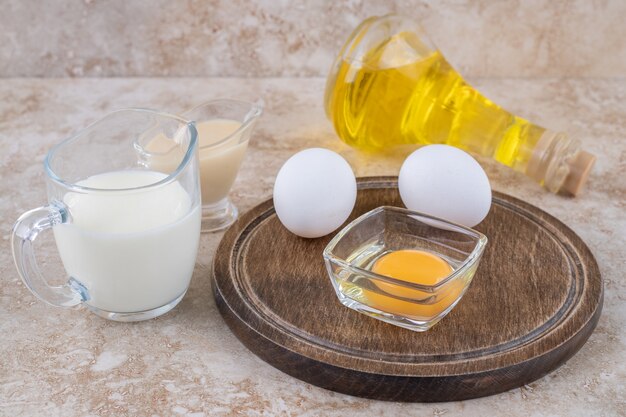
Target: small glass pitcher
x=126 y=227
x=224 y=129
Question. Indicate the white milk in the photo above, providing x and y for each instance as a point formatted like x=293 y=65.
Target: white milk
x=133 y=250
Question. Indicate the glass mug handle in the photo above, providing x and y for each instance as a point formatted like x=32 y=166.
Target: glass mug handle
x=25 y=231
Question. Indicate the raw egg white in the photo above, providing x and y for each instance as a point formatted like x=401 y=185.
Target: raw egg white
x=314 y=192
x=445 y=182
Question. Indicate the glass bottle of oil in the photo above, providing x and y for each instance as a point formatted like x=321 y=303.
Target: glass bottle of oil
x=390 y=86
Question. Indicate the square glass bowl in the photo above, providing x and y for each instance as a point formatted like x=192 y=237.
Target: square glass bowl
x=351 y=254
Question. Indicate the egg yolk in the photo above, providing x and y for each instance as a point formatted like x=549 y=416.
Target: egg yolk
x=416 y=267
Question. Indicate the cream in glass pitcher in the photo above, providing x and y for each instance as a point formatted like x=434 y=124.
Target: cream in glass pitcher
x=224 y=128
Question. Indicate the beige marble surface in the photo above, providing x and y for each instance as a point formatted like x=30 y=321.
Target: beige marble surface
x=56 y=362
x=482 y=38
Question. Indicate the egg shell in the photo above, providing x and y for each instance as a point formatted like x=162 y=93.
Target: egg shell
x=445 y=182
x=314 y=192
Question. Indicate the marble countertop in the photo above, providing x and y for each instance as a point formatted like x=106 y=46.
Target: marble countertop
x=72 y=363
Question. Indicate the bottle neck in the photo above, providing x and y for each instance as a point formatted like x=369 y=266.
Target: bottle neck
x=558 y=163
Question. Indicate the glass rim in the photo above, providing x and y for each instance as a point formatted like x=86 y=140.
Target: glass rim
x=256 y=110
x=189 y=154
x=472 y=257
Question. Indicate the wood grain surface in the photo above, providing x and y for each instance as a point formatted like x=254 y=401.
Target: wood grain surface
x=534 y=301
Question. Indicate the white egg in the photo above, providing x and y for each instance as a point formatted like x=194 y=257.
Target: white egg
x=314 y=192
x=445 y=182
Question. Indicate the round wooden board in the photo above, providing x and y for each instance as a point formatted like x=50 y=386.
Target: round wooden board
x=534 y=301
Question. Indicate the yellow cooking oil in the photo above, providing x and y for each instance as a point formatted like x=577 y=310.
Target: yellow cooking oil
x=423 y=102
x=397 y=89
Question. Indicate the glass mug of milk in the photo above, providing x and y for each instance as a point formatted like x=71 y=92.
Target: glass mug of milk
x=127 y=234
x=224 y=129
